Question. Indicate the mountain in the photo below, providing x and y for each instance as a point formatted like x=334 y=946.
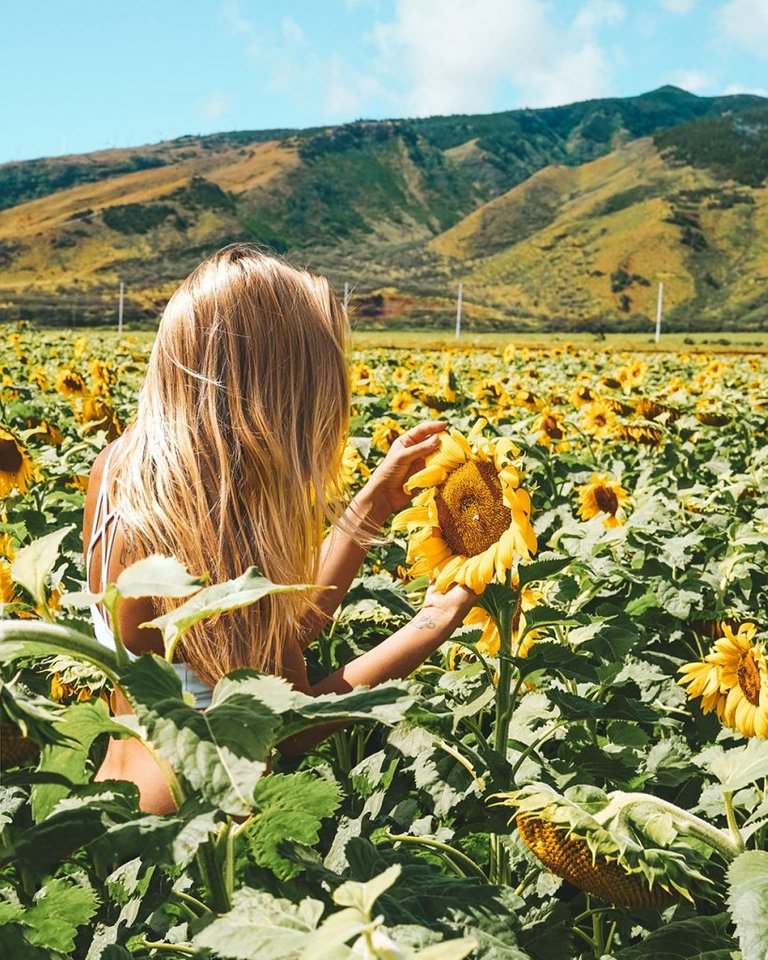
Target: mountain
x=561 y=217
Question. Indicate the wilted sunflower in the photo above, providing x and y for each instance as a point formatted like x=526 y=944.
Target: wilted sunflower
x=646 y=433
x=16 y=469
x=602 y=843
x=472 y=518
x=96 y=414
x=602 y=494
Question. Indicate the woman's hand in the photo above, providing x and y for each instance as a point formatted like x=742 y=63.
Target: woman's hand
x=384 y=491
x=455 y=603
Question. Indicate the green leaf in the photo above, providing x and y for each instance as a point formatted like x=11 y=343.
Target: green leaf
x=748 y=900
x=738 y=767
x=158 y=576
x=27 y=638
x=363 y=896
x=34 y=563
x=244 y=590
x=276 y=928
x=220 y=752
x=387 y=703
x=698 y=938
x=59 y=908
x=448 y=950
x=554 y=656
x=290 y=807
x=82 y=723
x=544 y=566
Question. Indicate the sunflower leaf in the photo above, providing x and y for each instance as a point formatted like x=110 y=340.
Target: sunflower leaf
x=243 y=591
x=158 y=576
x=748 y=899
x=738 y=767
x=35 y=562
x=546 y=565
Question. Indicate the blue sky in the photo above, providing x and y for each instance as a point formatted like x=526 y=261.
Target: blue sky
x=82 y=75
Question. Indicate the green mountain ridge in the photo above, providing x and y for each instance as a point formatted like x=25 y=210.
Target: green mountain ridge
x=402 y=209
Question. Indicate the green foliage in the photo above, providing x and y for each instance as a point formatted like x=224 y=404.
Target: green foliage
x=748 y=899
x=733 y=146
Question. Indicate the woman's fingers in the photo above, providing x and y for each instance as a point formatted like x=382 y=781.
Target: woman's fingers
x=415 y=451
x=422 y=432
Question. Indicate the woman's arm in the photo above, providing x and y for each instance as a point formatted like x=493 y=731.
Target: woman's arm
x=393 y=659
x=345 y=547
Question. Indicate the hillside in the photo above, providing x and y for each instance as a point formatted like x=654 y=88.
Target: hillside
x=566 y=215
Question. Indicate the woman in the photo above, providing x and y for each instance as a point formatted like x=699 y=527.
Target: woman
x=230 y=462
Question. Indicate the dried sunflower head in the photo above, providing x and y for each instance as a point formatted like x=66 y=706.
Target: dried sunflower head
x=633 y=850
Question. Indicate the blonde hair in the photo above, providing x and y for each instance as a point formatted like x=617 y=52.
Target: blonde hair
x=237 y=442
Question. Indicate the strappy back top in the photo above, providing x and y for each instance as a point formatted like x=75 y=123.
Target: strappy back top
x=104 y=528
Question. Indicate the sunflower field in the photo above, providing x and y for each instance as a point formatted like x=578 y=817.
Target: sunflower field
x=581 y=771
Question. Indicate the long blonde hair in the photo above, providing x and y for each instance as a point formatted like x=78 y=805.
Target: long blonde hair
x=237 y=441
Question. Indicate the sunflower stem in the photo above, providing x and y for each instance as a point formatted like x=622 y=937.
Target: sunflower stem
x=684 y=821
x=451 y=855
x=730 y=815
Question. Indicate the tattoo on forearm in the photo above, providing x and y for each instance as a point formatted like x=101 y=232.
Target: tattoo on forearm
x=424 y=622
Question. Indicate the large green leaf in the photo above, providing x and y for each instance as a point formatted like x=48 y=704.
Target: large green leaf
x=158 y=576
x=738 y=767
x=260 y=925
x=222 y=752
x=243 y=591
x=82 y=723
x=698 y=938
x=35 y=562
x=59 y=908
x=33 y=638
x=544 y=566
x=290 y=807
x=748 y=899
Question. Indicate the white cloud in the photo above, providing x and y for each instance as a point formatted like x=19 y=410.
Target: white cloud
x=454 y=54
x=678 y=6
x=746 y=22
x=213 y=106
x=694 y=81
x=292 y=31
x=232 y=15
x=743 y=88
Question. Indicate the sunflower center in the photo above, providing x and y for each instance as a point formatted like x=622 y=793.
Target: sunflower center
x=10 y=457
x=471 y=509
x=749 y=678
x=552 y=429
x=607 y=500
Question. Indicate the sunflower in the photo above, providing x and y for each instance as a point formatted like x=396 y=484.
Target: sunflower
x=732 y=680
x=599 y=418
x=582 y=395
x=70 y=383
x=472 y=518
x=703 y=679
x=385 y=432
x=744 y=674
x=550 y=430
x=96 y=414
x=7 y=587
x=602 y=494
x=646 y=433
x=16 y=469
